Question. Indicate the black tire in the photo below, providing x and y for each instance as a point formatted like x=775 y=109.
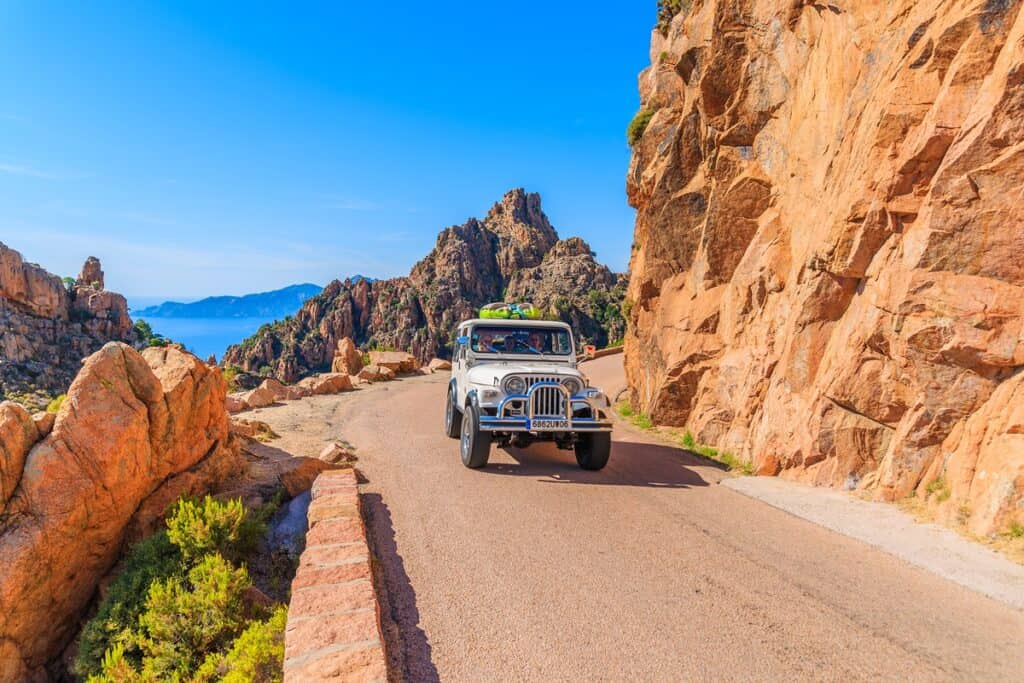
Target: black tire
x=474 y=445
x=452 y=417
x=593 y=449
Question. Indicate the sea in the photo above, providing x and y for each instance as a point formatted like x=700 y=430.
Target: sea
x=201 y=336
x=205 y=336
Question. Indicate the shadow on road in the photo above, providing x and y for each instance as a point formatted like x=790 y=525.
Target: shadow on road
x=631 y=464
x=407 y=647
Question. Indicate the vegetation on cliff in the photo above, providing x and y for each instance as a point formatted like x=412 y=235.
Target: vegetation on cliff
x=182 y=607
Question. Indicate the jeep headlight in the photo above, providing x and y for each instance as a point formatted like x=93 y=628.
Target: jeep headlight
x=515 y=385
x=572 y=385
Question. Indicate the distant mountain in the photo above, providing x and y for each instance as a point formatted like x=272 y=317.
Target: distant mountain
x=514 y=254
x=271 y=305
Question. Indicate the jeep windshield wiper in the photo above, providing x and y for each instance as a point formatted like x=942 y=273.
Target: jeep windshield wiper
x=520 y=342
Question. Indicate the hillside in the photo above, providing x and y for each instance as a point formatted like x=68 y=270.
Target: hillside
x=275 y=304
x=826 y=278
x=512 y=254
x=49 y=327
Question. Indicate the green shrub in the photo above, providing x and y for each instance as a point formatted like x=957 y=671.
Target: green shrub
x=114 y=625
x=188 y=619
x=638 y=126
x=1016 y=530
x=147 y=336
x=178 y=603
x=115 y=668
x=54 y=405
x=689 y=443
x=206 y=526
x=257 y=654
x=230 y=373
x=625 y=410
x=69 y=283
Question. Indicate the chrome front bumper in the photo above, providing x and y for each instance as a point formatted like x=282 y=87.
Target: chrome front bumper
x=517 y=412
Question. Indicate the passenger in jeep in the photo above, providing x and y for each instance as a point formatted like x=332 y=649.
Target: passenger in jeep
x=485 y=343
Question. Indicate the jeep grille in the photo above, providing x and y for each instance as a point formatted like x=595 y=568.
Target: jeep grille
x=549 y=402
x=533 y=379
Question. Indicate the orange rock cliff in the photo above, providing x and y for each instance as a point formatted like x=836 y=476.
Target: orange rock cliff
x=827 y=277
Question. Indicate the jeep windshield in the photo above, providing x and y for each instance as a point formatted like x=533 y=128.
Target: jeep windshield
x=522 y=340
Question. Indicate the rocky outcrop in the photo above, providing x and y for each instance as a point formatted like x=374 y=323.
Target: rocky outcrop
x=327 y=383
x=397 y=362
x=46 y=329
x=347 y=358
x=512 y=253
x=827 y=277
x=135 y=432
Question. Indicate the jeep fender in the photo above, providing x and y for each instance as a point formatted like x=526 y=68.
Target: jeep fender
x=453 y=387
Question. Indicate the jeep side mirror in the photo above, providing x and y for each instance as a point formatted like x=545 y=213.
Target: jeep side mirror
x=462 y=341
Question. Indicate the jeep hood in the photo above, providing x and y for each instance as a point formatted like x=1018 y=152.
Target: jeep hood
x=485 y=373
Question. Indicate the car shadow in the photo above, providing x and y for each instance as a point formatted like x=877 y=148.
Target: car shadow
x=406 y=645
x=631 y=464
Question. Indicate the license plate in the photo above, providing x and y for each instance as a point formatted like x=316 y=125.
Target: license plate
x=550 y=425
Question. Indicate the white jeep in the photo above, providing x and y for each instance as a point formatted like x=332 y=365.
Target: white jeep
x=515 y=382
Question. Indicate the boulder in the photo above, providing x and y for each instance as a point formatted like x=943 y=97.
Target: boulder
x=376 y=373
x=347 y=358
x=234 y=403
x=437 y=364
x=44 y=422
x=336 y=454
x=398 y=362
x=276 y=388
x=298 y=474
x=130 y=424
x=329 y=383
x=260 y=397
x=246 y=380
x=253 y=429
x=295 y=392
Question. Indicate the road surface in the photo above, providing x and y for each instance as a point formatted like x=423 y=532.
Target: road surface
x=534 y=570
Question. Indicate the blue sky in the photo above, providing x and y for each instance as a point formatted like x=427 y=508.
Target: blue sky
x=203 y=148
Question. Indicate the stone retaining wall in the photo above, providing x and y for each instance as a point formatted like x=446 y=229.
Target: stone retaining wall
x=333 y=630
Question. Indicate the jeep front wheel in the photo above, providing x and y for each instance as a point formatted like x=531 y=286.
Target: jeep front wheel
x=474 y=446
x=452 y=423
x=593 y=449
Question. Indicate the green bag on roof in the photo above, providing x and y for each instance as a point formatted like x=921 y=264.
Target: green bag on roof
x=507 y=311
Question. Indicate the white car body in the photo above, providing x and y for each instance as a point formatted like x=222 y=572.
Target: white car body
x=555 y=400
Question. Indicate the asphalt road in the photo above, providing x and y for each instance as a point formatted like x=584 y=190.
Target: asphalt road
x=532 y=569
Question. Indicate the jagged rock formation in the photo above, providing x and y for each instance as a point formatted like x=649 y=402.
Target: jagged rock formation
x=513 y=253
x=135 y=432
x=827 y=277
x=46 y=328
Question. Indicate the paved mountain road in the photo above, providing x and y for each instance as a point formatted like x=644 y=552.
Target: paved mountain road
x=532 y=569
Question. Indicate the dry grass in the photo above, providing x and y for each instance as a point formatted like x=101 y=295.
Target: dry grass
x=684 y=440
x=1009 y=544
